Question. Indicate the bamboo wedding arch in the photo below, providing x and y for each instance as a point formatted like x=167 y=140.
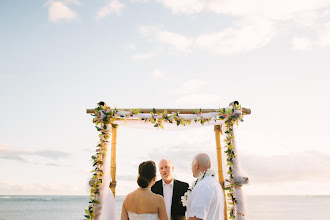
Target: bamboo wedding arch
x=108 y=119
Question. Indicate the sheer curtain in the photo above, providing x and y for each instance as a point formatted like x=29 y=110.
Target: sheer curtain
x=106 y=210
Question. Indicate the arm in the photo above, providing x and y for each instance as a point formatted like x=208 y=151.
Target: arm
x=124 y=215
x=200 y=204
x=162 y=215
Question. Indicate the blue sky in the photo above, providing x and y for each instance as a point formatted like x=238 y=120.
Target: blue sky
x=58 y=58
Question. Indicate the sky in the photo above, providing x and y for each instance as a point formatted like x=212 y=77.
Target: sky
x=61 y=57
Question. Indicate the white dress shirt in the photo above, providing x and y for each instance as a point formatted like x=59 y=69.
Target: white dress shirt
x=168 y=194
x=206 y=200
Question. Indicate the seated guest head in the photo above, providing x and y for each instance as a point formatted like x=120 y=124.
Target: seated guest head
x=147 y=174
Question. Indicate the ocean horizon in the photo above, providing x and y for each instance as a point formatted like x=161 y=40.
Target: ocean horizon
x=260 y=207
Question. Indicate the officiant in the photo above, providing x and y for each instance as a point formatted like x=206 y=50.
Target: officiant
x=171 y=189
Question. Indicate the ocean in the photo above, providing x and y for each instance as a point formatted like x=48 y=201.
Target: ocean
x=72 y=207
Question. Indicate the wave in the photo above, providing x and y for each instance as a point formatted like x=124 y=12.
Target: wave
x=5 y=197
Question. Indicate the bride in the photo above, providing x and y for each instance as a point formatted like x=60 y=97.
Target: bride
x=142 y=204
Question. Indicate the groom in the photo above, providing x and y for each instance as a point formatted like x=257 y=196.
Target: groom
x=172 y=190
x=206 y=200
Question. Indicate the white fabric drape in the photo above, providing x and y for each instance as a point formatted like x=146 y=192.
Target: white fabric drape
x=107 y=207
x=240 y=180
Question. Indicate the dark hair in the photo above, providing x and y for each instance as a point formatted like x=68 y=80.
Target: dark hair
x=147 y=171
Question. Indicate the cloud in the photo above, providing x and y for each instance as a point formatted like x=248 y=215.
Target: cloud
x=260 y=21
x=55 y=155
x=42 y=188
x=189 y=86
x=184 y=6
x=267 y=9
x=20 y=154
x=322 y=39
x=301 y=166
x=303 y=44
x=130 y=46
x=58 y=11
x=74 y=2
x=191 y=94
x=143 y=56
x=178 y=41
x=306 y=18
x=158 y=74
x=127 y=177
x=268 y=170
x=13 y=154
x=198 y=100
x=52 y=164
x=314 y=23
x=12 y=157
x=324 y=35
x=112 y=7
x=134 y=1
x=247 y=35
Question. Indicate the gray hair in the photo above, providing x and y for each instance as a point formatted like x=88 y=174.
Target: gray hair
x=203 y=160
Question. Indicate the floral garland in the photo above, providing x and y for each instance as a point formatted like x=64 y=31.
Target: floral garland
x=202 y=175
x=104 y=126
x=229 y=125
x=105 y=118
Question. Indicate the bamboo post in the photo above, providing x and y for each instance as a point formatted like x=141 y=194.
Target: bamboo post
x=113 y=161
x=217 y=130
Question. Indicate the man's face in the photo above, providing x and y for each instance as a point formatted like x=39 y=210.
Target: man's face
x=166 y=170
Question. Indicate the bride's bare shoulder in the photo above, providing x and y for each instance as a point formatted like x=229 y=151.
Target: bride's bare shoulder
x=158 y=197
x=130 y=195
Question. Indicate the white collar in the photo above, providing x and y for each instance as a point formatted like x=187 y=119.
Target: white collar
x=170 y=184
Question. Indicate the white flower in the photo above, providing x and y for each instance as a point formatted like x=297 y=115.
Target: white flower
x=210 y=172
x=184 y=198
x=100 y=114
x=237 y=113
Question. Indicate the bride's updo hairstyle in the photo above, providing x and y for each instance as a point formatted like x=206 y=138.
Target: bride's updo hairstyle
x=147 y=171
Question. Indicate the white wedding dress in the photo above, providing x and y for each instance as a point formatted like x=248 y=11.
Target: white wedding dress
x=144 y=216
